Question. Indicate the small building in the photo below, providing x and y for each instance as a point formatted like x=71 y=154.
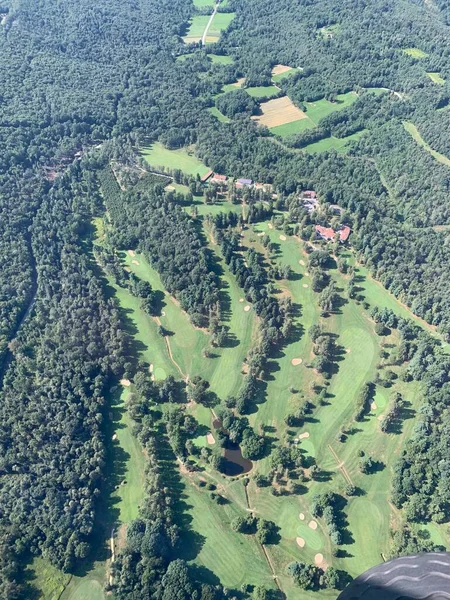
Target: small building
x=206 y=176
x=336 y=209
x=344 y=233
x=326 y=233
x=309 y=194
x=240 y=183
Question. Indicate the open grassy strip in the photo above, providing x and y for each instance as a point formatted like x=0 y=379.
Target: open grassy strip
x=263 y=91
x=220 y=59
x=322 y=108
x=50 y=581
x=436 y=78
x=415 y=133
x=160 y=157
x=197 y=26
x=293 y=127
x=216 y=113
x=415 y=52
x=219 y=23
x=333 y=143
x=204 y=3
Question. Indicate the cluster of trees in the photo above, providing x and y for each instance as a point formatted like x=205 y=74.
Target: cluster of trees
x=328 y=506
x=264 y=530
x=363 y=401
x=310 y=577
x=238 y=430
x=159 y=227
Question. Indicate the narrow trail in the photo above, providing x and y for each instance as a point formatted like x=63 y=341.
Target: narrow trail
x=169 y=351
x=208 y=25
x=340 y=466
x=113 y=555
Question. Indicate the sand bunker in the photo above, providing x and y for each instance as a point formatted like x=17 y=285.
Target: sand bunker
x=306 y=273
x=348 y=350
x=247 y=308
x=131 y=252
x=303 y=436
x=241 y=299
x=301 y=542
x=318 y=559
x=163 y=314
x=210 y=438
x=270 y=225
x=302 y=262
x=373 y=406
x=296 y=361
x=380 y=418
x=135 y=262
x=312 y=525
x=305 y=285
x=301 y=516
x=283 y=238
x=261 y=233
x=151 y=368
x=114 y=437
x=125 y=382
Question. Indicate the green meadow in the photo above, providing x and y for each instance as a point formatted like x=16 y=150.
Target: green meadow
x=322 y=108
x=216 y=113
x=436 y=78
x=263 y=91
x=333 y=143
x=160 y=157
x=415 y=133
x=220 y=59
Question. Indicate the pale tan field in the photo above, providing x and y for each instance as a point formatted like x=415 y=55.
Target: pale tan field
x=279 y=112
x=279 y=69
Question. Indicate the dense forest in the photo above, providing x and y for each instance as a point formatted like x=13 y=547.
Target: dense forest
x=84 y=85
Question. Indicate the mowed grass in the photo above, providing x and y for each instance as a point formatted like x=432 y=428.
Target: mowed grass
x=220 y=22
x=203 y=3
x=415 y=52
x=220 y=59
x=216 y=113
x=293 y=127
x=263 y=91
x=436 y=78
x=160 y=157
x=50 y=581
x=415 y=133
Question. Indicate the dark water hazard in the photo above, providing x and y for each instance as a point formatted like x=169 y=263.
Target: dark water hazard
x=235 y=463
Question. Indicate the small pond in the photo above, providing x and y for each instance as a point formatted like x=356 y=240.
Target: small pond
x=235 y=463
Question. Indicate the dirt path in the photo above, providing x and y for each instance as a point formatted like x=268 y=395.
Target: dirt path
x=264 y=549
x=340 y=465
x=208 y=25
x=169 y=351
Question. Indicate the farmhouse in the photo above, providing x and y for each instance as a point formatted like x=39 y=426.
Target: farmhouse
x=216 y=178
x=309 y=194
x=240 y=183
x=328 y=233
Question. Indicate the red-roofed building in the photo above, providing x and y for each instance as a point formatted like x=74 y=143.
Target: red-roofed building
x=326 y=233
x=344 y=233
x=309 y=194
x=206 y=176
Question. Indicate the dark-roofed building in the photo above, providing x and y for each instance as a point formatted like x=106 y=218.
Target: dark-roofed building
x=240 y=183
x=206 y=176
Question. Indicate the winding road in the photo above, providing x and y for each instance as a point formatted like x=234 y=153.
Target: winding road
x=208 y=25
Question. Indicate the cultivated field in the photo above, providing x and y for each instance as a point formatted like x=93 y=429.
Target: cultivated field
x=279 y=111
x=162 y=158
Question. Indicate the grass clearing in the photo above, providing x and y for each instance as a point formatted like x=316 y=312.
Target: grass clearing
x=280 y=72
x=322 y=108
x=204 y=3
x=263 y=91
x=436 y=78
x=415 y=52
x=415 y=133
x=197 y=26
x=160 y=157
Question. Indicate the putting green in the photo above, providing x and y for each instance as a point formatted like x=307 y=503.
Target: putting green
x=159 y=373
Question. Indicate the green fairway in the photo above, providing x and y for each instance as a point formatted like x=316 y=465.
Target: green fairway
x=160 y=157
x=220 y=59
x=412 y=130
x=436 y=78
x=216 y=113
x=263 y=91
x=333 y=143
x=415 y=52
